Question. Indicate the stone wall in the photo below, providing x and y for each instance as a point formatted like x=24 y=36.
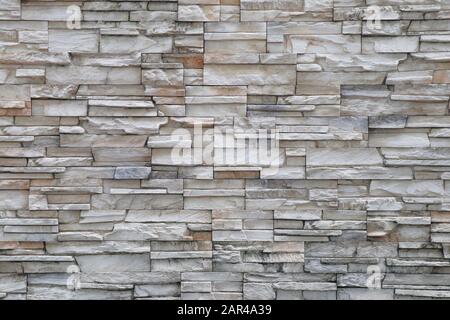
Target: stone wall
x=94 y=204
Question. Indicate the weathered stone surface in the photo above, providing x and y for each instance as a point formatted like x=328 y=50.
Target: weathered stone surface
x=157 y=290
x=248 y=75
x=11 y=283
x=401 y=140
x=114 y=263
x=92 y=75
x=359 y=173
x=143 y=44
x=163 y=77
x=123 y=125
x=376 y=62
x=59 y=108
x=138 y=202
x=13 y=200
x=63 y=293
x=198 y=13
x=390 y=44
x=259 y=291
x=365 y=294
x=343 y=157
x=79 y=41
x=151 y=231
x=324 y=44
x=422 y=188
x=138 y=173
x=31 y=57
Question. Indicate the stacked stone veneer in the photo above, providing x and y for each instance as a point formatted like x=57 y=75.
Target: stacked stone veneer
x=87 y=181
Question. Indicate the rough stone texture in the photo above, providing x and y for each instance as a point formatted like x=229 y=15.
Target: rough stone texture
x=94 y=205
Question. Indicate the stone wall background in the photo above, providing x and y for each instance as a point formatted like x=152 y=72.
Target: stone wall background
x=89 y=193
